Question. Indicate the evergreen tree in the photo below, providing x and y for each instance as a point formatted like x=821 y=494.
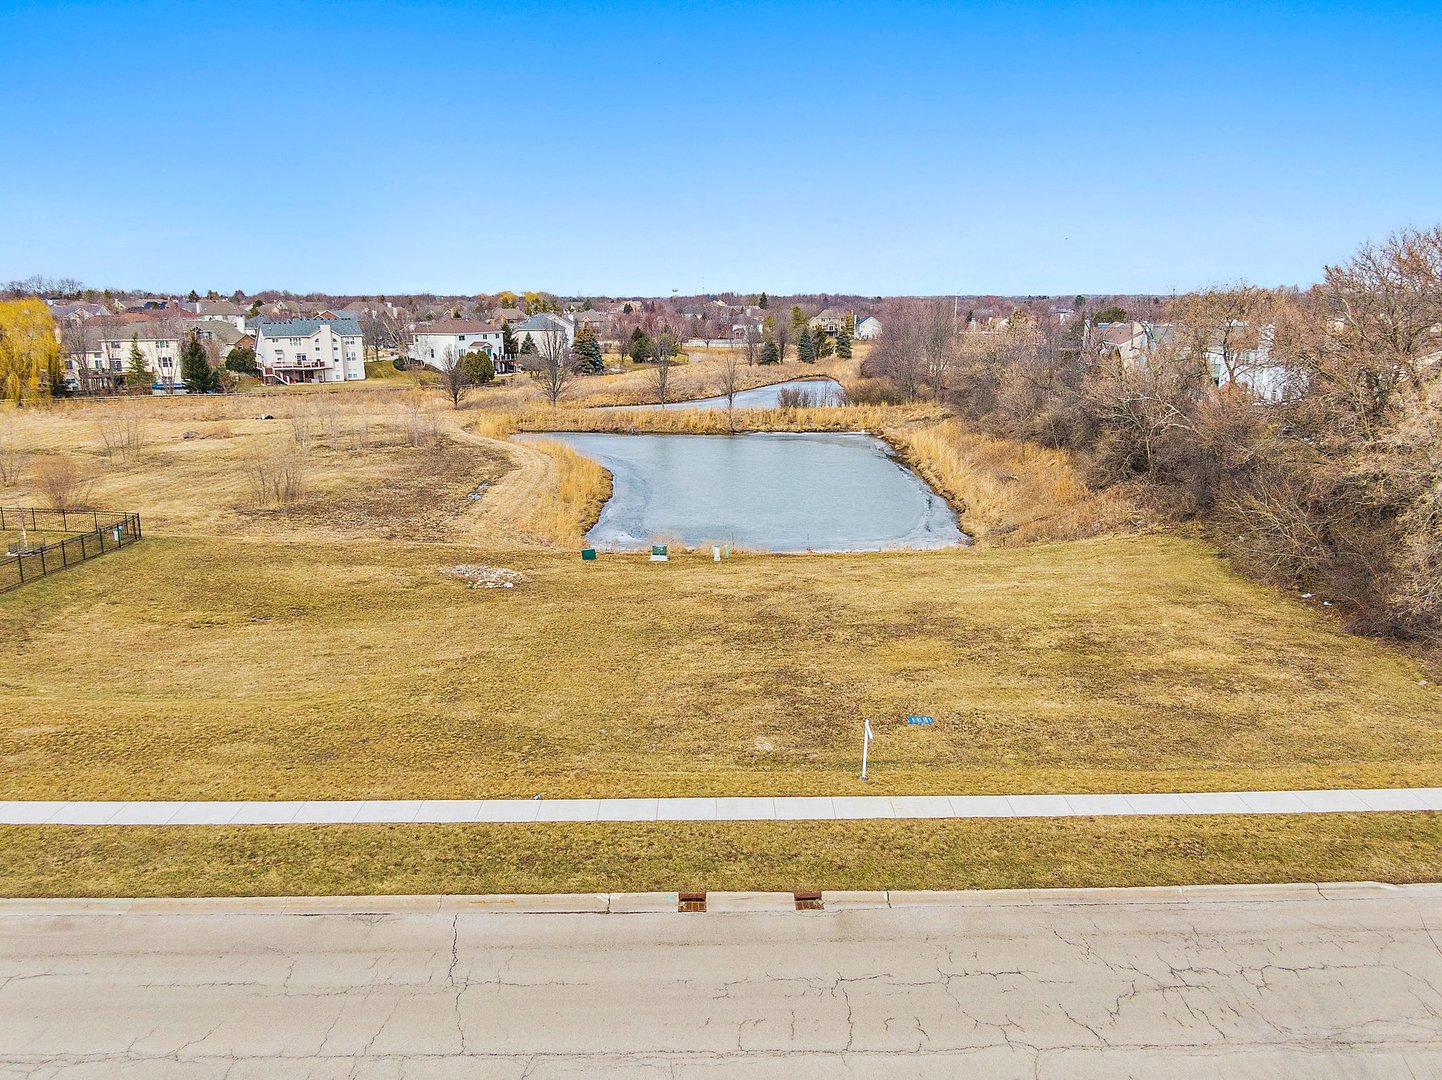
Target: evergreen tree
x=823 y=344
x=762 y=301
x=806 y=347
x=640 y=346
x=478 y=367
x=241 y=360
x=508 y=339
x=798 y=318
x=587 y=350
x=769 y=354
x=528 y=346
x=137 y=375
x=195 y=369
x=843 y=341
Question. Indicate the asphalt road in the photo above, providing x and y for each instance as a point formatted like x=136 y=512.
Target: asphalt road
x=1343 y=983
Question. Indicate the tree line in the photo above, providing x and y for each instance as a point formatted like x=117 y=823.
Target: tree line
x=1300 y=429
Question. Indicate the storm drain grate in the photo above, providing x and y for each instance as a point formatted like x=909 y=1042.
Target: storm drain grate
x=807 y=901
x=691 y=901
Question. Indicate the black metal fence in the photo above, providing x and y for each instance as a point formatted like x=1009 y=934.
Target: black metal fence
x=92 y=533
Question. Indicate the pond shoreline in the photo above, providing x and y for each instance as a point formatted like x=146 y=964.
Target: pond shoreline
x=779 y=492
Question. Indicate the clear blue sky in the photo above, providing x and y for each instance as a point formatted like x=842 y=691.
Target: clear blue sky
x=636 y=148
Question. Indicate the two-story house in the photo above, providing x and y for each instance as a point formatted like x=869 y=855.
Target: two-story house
x=431 y=341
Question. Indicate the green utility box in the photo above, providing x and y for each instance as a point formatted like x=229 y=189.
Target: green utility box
x=588 y=554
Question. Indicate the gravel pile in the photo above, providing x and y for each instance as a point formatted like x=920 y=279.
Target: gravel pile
x=485 y=577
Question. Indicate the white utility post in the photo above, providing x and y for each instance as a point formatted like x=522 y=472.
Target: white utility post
x=865 y=747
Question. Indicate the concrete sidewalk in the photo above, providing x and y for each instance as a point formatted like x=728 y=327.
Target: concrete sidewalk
x=802 y=808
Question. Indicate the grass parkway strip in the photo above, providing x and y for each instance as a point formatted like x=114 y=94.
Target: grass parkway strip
x=855 y=808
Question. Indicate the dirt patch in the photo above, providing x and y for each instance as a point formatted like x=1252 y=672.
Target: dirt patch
x=408 y=493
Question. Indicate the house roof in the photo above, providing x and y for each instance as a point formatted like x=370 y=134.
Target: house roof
x=510 y=314
x=459 y=326
x=542 y=321
x=219 y=307
x=146 y=330
x=221 y=331
x=305 y=327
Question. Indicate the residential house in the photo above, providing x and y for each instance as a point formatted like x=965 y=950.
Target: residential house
x=1248 y=358
x=594 y=319
x=542 y=327
x=222 y=310
x=218 y=336
x=159 y=341
x=318 y=350
x=1130 y=342
x=829 y=321
x=431 y=341
x=868 y=328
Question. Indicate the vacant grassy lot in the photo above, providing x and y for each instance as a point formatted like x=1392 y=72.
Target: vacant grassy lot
x=216 y=668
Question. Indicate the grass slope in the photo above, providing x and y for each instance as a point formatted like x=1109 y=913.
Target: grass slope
x=217 y=669
x=773 y=856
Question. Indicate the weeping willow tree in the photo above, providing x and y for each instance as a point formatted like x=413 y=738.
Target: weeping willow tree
x=29 y=351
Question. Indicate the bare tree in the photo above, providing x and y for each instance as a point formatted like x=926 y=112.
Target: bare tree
x=1221 y=327
x=75 y=344
x=13 y=452
x=938 y=343
x=370 y=327
x=551 y=364
x=393 y=329
x=751 y=335
x=454 y=379
x=899 y=355
x=728 y=379
x=663 y=350
x=782 y=334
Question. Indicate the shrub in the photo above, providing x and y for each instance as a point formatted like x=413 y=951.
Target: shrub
x=63 y=482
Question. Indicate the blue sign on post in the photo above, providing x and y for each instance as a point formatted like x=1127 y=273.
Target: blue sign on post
x=920 y=720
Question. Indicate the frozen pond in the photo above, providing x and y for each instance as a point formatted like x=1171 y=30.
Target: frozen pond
x=767 y=491
x=822 y=392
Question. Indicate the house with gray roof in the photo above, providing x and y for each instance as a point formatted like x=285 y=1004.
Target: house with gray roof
x=318 y=350
x=544 y=326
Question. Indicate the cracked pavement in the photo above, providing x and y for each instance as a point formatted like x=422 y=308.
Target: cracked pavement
x=1274 y=986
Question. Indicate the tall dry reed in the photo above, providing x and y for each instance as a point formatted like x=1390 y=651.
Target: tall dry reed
x=1010 y=492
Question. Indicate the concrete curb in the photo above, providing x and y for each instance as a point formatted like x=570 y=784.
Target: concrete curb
x=721 y=903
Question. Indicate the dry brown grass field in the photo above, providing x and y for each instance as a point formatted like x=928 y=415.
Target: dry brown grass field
x=313 y=648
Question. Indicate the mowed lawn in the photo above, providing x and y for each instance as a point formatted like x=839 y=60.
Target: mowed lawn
x=242 y=668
